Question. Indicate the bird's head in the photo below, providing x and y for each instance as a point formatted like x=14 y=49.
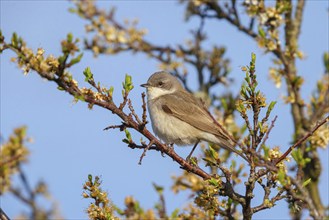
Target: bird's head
x=161 y=83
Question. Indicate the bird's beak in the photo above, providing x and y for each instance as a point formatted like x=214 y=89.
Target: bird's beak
x=145 y=85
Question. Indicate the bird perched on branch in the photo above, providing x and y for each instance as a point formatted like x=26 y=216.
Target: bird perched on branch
x=180 y=118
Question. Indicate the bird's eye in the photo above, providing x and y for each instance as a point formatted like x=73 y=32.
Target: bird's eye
x=160 y=83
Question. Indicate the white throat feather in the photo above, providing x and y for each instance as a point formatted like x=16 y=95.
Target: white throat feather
x=155 y=92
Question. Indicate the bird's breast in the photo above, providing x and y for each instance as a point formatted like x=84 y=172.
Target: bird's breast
x=169 y=128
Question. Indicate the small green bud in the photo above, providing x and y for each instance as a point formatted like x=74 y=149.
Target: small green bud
x=261 y=32
x=127 y=84
x=90 y=177
x=110 y=91
x=271 y=106
x=128 y=135
x=158 y=188
x=76 y=59
x=213 y=182
x=253 y=58
x=306 y=182
x=326 y=61
x=69 y=37
x=88 y=74
x=14 y=39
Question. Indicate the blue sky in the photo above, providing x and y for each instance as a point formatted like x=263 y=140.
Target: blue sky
x=69 y=141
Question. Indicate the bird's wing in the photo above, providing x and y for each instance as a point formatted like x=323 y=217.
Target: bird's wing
x=190 y=110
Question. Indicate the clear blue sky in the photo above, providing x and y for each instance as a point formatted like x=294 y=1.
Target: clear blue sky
x=69 y=141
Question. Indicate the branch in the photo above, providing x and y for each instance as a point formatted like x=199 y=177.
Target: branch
x=144 y=152
x=267 y=133
x=300 y=141
x=107 y=103
x=270 y=203
x=3 y=215
x=220 y=14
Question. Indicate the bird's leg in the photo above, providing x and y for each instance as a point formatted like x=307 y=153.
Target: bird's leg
x=189 y=156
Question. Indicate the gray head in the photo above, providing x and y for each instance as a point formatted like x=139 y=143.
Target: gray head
x=163 y=81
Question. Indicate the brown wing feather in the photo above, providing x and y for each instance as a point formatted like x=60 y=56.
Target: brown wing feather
x=189 y=109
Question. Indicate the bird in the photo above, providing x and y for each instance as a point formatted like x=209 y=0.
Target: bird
x=178 y=117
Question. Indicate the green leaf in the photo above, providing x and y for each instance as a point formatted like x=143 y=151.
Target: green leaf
x=261 y=32
x=240 y=108
x=79 y=97
x=253 y=58
x=174 y=214
x=271 y=106
x=76 y=59
x=69 y=37
x=243 y=128
x=260 y=127
x=61 y=59
x=296 y=154
x=158 y=188
x=110 y=91
x=247 y=79
x=73 y=10
x=97 y=180
x=209 y=162
x=307 y=160
x=212 y=153
x=224 y=103
x=213 y=182
x=298 y=157
x=266 y=151
x=306 y=182
x=90 y=177
x=194 y=161
x=127 y=84
x=128 y=135
x=326 y=61
x=14 y=40
x=125 y=141
x=88 y=74
x=281 y=176
x=243 y=92
x=229 y=202
x=252 y=64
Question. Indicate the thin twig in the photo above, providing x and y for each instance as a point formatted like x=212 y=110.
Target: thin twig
x=144 y=152
x=121 y=127
x=144 y=115
x=132 y=110
x=3 y=215
x=267 y=134
x=300 y=141
x=135 y=146
x=124 y=102
x=270 y=203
